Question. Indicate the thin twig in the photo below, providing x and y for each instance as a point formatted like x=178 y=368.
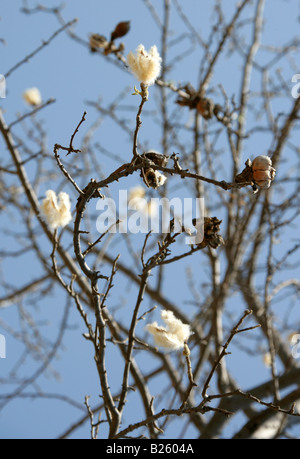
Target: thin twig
x=33 y=112
x=223 y=353
x=91 y=246
x=64 y=170
x=137 y=128
x=39 y=48
x=187 y=353
x=71 y=149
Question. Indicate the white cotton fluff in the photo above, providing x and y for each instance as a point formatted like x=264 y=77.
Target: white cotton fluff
x=174 y=335
x=32 y=96
x=145 y=66
x=57 y=212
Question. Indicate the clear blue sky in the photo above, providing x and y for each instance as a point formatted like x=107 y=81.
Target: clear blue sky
x=73 y=76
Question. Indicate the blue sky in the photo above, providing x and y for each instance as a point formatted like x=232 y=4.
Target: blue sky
x=67 y=72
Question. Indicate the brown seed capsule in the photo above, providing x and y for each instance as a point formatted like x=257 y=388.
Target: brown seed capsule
x=121 y=29
x=152 y=178
x=196 y=100
x=205 y=107
x=263 y=172
x=188 y=99
x=210 y=232
x=97 y=41
x=246 y=176
x=157 y=158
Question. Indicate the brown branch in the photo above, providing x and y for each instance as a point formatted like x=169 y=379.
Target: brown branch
x=92 y=245
x=139 y=122
x=39 y=48
x=234 y=331
x=71 y=149
x=33 y=201
x=17 y=294
x=134 y=320
x=186 y=353
x=63 y=169
x=226 y=34
x=166 y=412
x=112 y=412
x=33 y=112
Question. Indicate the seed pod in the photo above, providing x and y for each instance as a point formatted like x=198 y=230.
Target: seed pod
x=157 y=158
x=121 y=29
x=97 y=41
x=188 y=98
x=210 y=230
x=152 y=178
x=263 y=172
x=205 y=107
x=246 y=176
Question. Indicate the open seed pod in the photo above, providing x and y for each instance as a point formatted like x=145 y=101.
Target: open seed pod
x=263 y=172
x=157 y=158
x=153 y=178
x=205 y=107
x=190 y=99
x=97 y=41
x=210 y=232
x=259 y=173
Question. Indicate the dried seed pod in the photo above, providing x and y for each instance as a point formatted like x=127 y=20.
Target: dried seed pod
x=152 y=178
x=185 y=102
x=246 y=176
x=215 y=241
x=205 y=107
x=194 y=100
x=97 y=41
x=261 y=162
x=263 y=172
x=211 y=229
x=190 y=99
x=211 y=225
x=157 y=158
x=121 y=29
